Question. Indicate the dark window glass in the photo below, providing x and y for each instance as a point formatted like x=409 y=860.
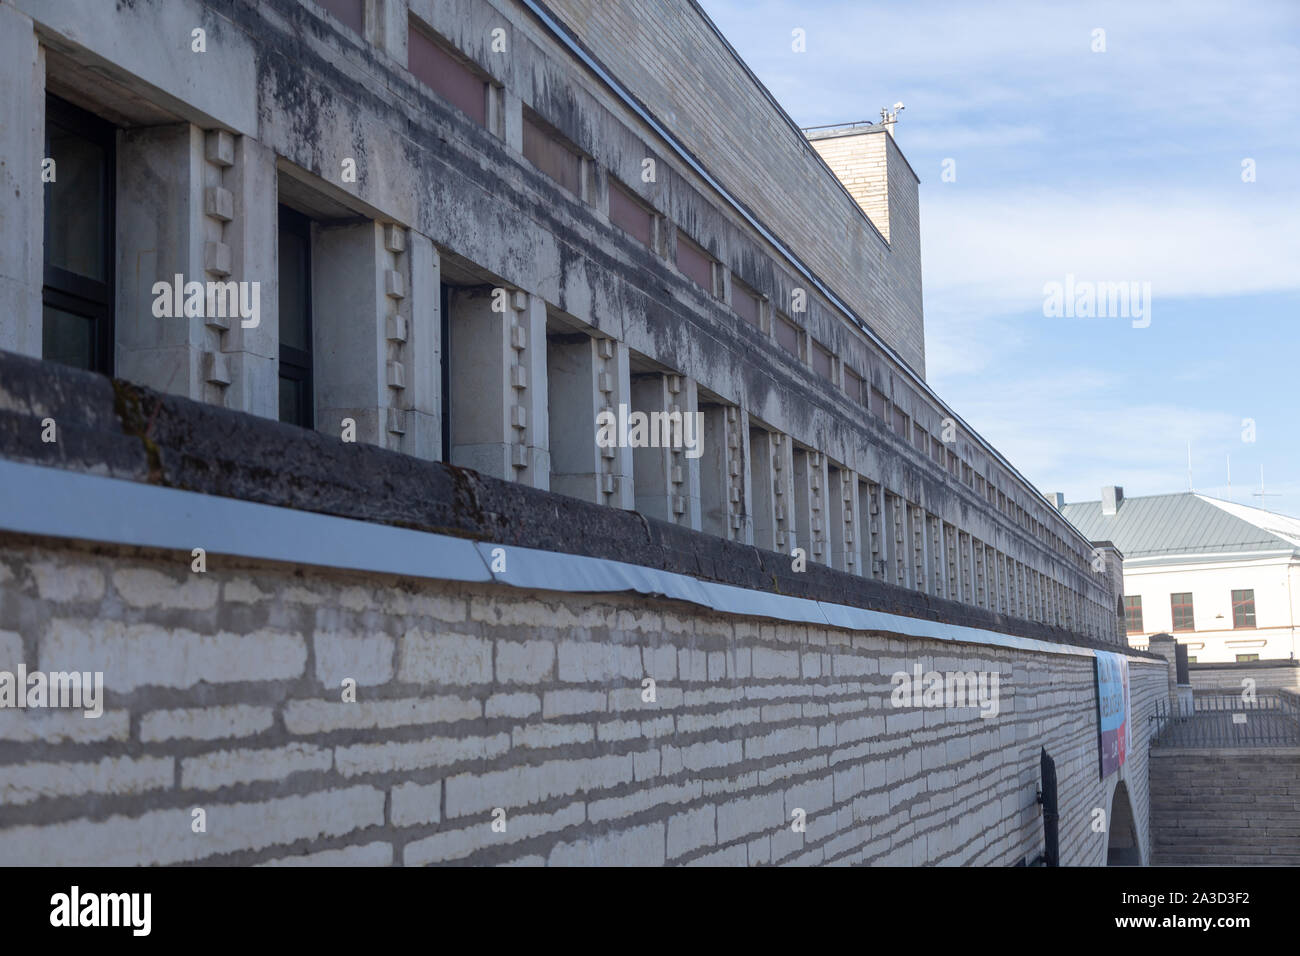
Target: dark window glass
x=787 y=335
x=880 y=404
x=549 y=153
x=1181 y=606
x=745 y=303
x=936 y=451
x=1243 y=608
x=68 y=338
x=821 y=362
x=902 y=424
x=695 y=262
x=77 y=319
x=446 y=75
x=854 y=386
x=1133 y=613
x=295 y=293
x=629 y=215
x=297 y=401
x=77 y=204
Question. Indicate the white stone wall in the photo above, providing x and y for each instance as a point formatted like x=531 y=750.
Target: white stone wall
x=224 y=694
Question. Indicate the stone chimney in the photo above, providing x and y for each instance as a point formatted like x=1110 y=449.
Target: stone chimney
x=1058 y=500
x=1111 y=496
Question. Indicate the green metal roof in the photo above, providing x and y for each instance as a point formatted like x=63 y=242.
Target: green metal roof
x=1184 y=524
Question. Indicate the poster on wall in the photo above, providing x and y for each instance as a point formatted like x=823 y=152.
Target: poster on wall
x=1115 y=728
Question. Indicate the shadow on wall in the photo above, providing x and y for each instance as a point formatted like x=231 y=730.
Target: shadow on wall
x=1121 y=842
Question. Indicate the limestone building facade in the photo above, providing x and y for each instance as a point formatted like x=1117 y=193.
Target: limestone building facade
x=471 y=227
x=310 y=315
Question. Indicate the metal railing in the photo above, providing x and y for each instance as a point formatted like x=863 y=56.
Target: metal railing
x=1227 y=721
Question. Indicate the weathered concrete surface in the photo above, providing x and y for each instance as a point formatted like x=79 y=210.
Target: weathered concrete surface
x=132 y=432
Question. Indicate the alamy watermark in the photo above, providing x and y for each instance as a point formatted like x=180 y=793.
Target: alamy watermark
x=684 y=430
x=1085 y=299
x=211 y=300
x=947 y=689
x=78 y=690
x=130 y=910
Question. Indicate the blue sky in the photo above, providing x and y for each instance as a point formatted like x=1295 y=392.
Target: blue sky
x=1122 y=165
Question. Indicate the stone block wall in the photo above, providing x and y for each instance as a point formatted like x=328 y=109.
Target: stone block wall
x=1225 y=807
x=224 y=693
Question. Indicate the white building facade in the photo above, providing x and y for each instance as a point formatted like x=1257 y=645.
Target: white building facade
x=1222 y=577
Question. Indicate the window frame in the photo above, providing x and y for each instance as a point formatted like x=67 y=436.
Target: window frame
x=1174 y=608
x=68 y=291
x=1242 y=603
x=628 y=198
x=1129 y=610
x=745 y=291
x=294 y=363
x=535 y=128
x=694 y=249
x=457 y=59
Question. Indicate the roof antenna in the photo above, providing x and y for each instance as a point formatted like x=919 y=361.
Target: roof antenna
x=1261 y=494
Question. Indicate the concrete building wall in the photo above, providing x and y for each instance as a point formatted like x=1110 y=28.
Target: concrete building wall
x=285 y=100
x=224 y=694
x=672 y=58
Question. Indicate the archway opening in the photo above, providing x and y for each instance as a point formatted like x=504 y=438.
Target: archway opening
x=1121 y=839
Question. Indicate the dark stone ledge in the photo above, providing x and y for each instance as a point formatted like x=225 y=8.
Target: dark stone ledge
x=113 y=427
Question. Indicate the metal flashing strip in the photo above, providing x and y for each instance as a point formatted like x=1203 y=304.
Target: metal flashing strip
x=565 y=37
x=69 y=504
x=547 y=571
x=58 y=503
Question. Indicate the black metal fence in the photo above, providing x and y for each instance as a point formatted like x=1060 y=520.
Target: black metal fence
x=1227 y=721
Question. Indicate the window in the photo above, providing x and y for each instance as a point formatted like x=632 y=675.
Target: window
x=552 y=154
x=1191 y=658
x=787 y=335
x=77 y=298
x=447 y=76
x=349 y=11
x=630 y=215
x=967 y=473
x=297 y=401
x=694 y=262
x=822 y=362
x=1243 y=608
x=954 y=464
x=1244 y=658
x=880 y=404
x=936 y=451
x=854 y=386
x=1133 y=613
x=1181 y=605
x=745 y=302
x=902 y=424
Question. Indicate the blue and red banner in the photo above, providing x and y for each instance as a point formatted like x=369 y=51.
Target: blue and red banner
x=1115 y=731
